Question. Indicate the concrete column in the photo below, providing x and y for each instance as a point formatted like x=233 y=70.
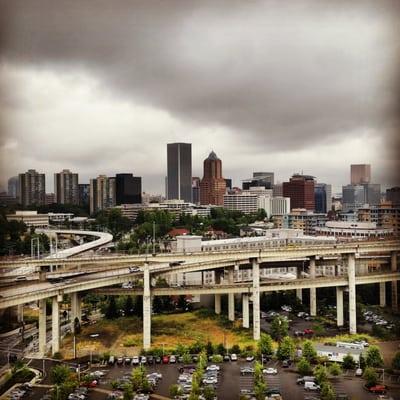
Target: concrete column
x=299 y=294
x=76 y=309
x=351 y=271
x=382 y=294
x=245 y=310
x=313 y=291
x=55 y=325
x=217 y=303
x=393 y=267
x=20 y=313
x=339 y=306
x=231 y=297
x=256 y=299
x=42 y=327
x=146 y=308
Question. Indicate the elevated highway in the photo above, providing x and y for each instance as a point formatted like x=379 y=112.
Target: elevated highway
x=102 y=273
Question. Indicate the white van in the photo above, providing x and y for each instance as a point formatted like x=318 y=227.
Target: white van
x=311 y=386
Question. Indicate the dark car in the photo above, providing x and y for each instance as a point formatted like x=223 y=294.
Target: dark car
x=286 y=363
x=272 y=391
x=226 y=357
x=150 y=360
x=157 y=359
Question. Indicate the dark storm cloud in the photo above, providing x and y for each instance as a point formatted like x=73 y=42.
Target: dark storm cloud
x=284 y=75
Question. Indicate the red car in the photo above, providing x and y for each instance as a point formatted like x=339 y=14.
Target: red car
x=308 y=331
x=90 y=384
x=380 y=389
x=165 y=360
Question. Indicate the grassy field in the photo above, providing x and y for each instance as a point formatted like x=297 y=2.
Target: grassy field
x=123 y=336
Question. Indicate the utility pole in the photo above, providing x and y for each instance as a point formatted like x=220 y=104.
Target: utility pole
x=154 y=237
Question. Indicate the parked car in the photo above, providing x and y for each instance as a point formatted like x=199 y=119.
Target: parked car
x=250 y=358
x=311 y=386
x=226 y=357
x=165 y=360
x=359 y=372
x=270 y=371
x=301 y=381
x=135 y=360
x=379 y=389
x=150 y=360
x=143 y=360
x=157 y=360
x=286 y=363
x=120 y=360
x=308 y=331
x=172 y=359
x=234 y=357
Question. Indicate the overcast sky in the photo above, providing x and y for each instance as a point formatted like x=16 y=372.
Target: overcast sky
x=101 y=87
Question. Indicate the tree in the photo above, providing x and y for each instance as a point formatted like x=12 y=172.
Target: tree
x=348 y=362
x=209 y=348
x=286 y=348
x=279 y=328
x=128 y=306
x=209 y=393
x=111 y=310
x=128 y=392
x=175 y=390
x=59 y=374
x=309 y=351
x=265 y=344
x=396 y=361
x=220 y=349
x=139 y=379
x=335 y=369
x=304 y=367
x=374 y=358
x=259 y=390
x=321 y=374
x=77 y=326
x=327 y=392
x=157 y=305
x=370 y=376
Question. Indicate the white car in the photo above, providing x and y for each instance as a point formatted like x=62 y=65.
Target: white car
x=213 y=367
x=135 y=360
x=359 y=372
x=234 y=357
x=270 y=371
x=250 y=358
x=143 y=360
x=210 y=380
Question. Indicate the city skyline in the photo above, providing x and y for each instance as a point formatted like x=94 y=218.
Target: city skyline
x=271 y=95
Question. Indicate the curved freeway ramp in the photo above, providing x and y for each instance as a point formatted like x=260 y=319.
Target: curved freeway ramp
x=102 y=238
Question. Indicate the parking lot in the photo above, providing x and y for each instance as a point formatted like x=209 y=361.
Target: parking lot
x=231 y=382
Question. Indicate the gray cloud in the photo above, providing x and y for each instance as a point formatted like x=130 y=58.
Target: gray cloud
x=279 y=76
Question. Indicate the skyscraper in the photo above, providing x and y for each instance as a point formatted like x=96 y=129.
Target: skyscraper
x=128 y=189
x=84 y=194
x=264 y=179
x=179 y=171
x=102 y=193
x=66 y=189
x=213 y=185
x=360 y=174
x=300 y=189
x=13 y=187
x=196 y=190
x=323 y=197
x=32 y=188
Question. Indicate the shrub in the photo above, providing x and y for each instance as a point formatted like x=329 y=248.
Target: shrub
x=370 y=376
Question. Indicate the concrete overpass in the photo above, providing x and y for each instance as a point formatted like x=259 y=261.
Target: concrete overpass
x=100 y=273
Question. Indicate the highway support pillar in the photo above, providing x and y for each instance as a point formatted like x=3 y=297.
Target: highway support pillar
x=217 y=303
x=55 y=325
x=393 y=267
x=76 y=309
x=313 y=291
x=20 y=313
x=231 y=297
x=245 y=310
x=382 y=294
x=351 y=272
x=256 y=298
x=339 y=306
x=299 y=295
x=42 y=327
x=146 y=308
